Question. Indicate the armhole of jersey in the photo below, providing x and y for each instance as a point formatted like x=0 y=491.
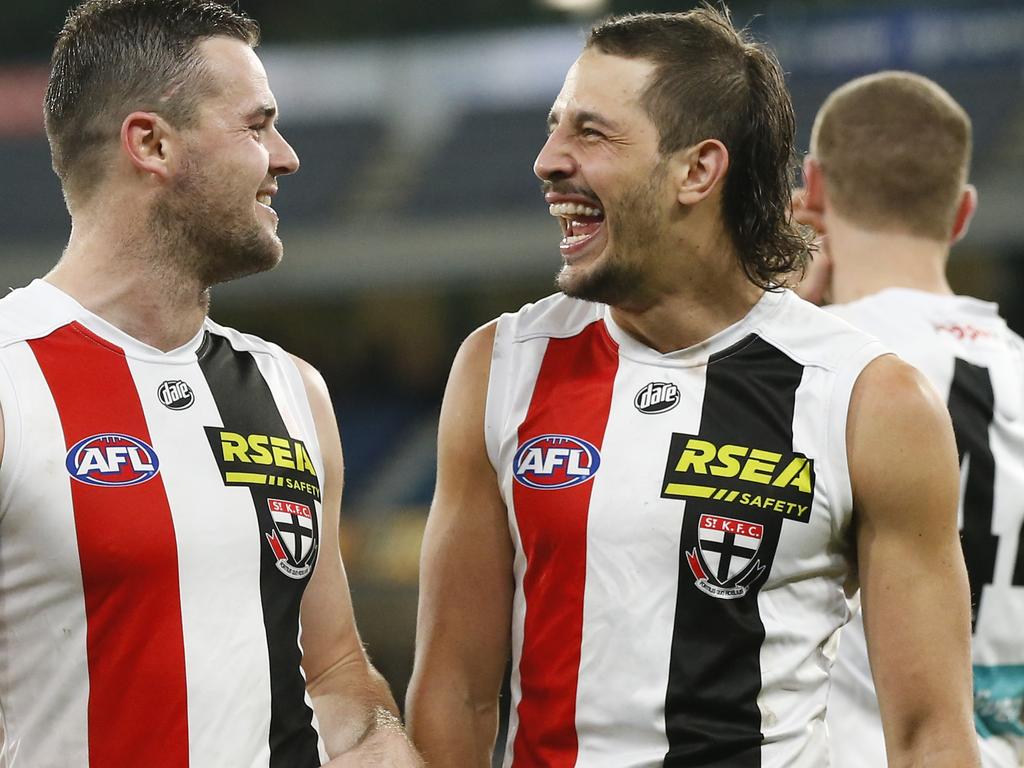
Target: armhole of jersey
x=839 y=411
x=296 y=393
x=498 y=380
x=298 y=387
x=11 y=454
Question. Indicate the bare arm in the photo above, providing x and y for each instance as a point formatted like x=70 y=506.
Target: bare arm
x=357 y=714
x=914 y=593
x=466 y=582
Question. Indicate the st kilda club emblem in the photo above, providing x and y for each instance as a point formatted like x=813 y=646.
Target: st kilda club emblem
x=294 y=538
x=725 y=561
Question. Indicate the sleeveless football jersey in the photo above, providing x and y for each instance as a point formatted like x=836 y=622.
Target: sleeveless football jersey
x=977 y=364
x=159 y=520
x=679 y=524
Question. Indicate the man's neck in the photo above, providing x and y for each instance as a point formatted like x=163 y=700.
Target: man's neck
x=693 y=307
x=131 y=284
x=865 y=262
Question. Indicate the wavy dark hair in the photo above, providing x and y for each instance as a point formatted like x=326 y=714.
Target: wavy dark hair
x=712 y=81
x=116 y=56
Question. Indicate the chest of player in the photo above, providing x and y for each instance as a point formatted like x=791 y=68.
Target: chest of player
x=717 y=469
x=134 y=467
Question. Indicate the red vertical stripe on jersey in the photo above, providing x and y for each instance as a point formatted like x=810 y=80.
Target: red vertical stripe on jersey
x=572 y=397
x=137 y=700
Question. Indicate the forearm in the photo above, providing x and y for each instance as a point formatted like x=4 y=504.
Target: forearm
x=449 y=729
x=947 y=751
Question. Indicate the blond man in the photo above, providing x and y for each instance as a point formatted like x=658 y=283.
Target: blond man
x=886 y=187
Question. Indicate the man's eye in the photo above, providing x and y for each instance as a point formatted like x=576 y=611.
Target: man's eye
x=591 y=133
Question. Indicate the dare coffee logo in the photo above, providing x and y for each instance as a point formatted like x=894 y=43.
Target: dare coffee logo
x=176 y=395
x=657 y=397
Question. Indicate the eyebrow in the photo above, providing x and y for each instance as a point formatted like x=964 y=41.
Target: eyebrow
x=266 y=111
x=583 y=116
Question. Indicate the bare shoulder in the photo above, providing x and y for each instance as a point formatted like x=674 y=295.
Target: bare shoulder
x=475 y=353
x=899 y=436
x=466 y=393
x=890 y=395
x=316 y=387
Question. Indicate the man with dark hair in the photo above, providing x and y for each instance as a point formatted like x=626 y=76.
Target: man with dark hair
x=171 y=589
x=886 y=184
x=647 y=485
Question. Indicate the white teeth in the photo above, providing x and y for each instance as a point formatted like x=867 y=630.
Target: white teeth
x=575 y=239
x=263 y=199
x=571 y=209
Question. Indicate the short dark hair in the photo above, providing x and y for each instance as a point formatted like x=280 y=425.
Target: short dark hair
x=895 y=150
x=115 y=56
x=712 y=81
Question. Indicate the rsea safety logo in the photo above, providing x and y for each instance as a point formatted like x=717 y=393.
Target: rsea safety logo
x=657 y=397
x=112 y=459
x=176 y=395
x=263 y=460
x=550 y=462
x=781 y=482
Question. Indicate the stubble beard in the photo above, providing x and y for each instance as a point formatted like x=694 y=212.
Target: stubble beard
x=618 y=277
x=204 y=237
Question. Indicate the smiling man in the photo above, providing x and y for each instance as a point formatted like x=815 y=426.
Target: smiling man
x=171 y=590
x=654 y=486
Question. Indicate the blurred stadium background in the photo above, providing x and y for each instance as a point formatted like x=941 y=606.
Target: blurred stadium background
x=416 y=217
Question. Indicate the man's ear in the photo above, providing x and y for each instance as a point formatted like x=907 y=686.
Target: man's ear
x=699 y=170
x=807 y=204
x=814 y=186
x=964 y=212
x=147 y=141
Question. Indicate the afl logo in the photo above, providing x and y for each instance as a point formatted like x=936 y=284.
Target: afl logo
x=112 y=459
x=550 y=462
x=176 y=395
x=657 y=397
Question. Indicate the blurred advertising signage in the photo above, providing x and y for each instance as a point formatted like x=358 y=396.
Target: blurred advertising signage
x=855 y=41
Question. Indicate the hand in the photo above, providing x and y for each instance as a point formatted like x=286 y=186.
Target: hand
x=385 y=746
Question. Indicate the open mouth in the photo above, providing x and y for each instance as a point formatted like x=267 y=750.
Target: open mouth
x=580 y=223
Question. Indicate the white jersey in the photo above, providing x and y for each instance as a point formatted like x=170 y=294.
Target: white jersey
x=679 y=523
x=965 y=349
x=159 y=520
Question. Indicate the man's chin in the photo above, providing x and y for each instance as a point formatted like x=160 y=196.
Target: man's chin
x=604 y=284
x=253 y=262
x=578 y=286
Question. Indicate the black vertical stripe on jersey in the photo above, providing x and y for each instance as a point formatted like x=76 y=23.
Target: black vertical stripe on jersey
x=711 y=712
x=972 y=406
x=247 y=406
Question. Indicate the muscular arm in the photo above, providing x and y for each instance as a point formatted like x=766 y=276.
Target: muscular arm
x=357 y=714
x=914 y=593
x=466 y=583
